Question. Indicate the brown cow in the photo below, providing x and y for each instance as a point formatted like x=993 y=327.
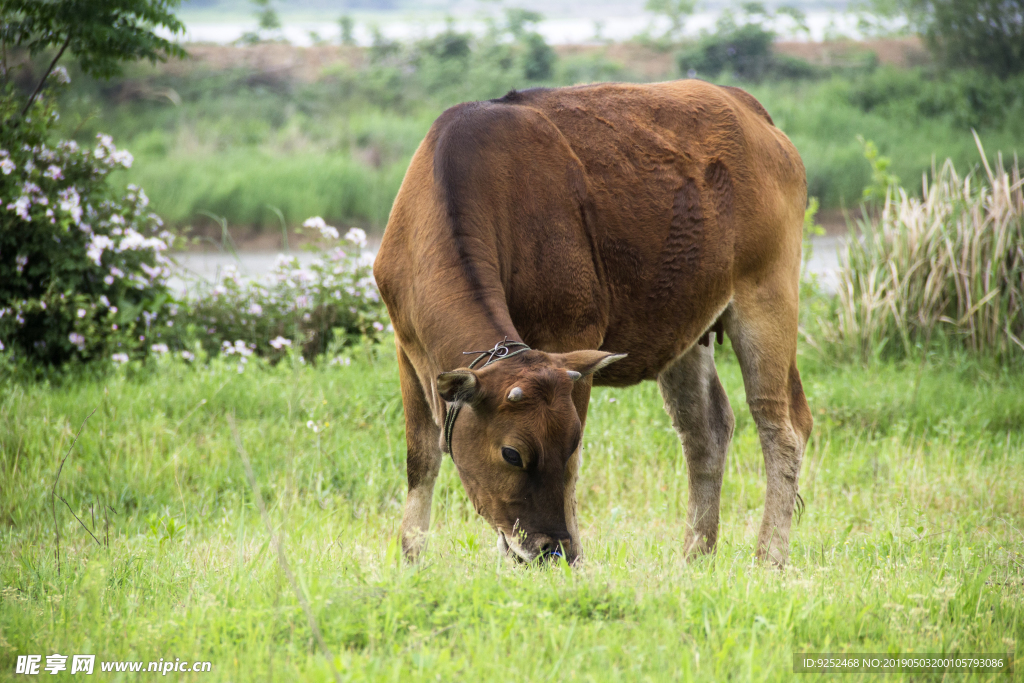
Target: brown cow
x=602 y=230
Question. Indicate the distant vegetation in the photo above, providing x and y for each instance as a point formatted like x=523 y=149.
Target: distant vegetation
x=329 y=131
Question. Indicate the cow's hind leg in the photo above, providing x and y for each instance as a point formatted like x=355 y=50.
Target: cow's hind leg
x=762 y=325
x=423 y=460
x=700 y=411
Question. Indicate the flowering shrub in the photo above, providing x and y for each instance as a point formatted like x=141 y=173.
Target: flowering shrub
x=82 y=271
x=331 y=299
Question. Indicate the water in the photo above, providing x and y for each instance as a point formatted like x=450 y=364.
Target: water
x=822 y=25
x=208 y=266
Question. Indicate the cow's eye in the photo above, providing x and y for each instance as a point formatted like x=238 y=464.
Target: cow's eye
x=511 y=456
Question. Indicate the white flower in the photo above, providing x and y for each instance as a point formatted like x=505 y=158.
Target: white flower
x=326 y=231
x=377 y=326
x=60 y=74
x=341 y=360
x=20 y=262
x=105 y=146
x=122 y=158
x=70 y=202
x=1 y=346
x=230 y=272
x=150 y=271
x=159 y=348
x=77 y=339
x=53 y=173
x=108 y=279
x=280 y=342
x=255 y=309
x=7 y=166
x=239 y=347
x=312 y=425
x=21 y=207
x=133 y=240
x=284 y=261
x=188 y=355
x=120 y=358
x=356 y=236
x=97 y=245
x=81 y=312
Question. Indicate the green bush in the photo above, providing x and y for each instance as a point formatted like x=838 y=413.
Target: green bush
x=82 y=275
x=966 y=98
x=742 y=48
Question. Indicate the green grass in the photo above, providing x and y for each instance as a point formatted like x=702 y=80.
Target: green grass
x=911 y=540
x=243 y=185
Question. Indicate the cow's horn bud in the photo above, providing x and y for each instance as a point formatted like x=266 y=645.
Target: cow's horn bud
x=573 y=375
x=516 y=394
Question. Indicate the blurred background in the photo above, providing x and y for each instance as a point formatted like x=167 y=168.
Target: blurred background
x=284 y=110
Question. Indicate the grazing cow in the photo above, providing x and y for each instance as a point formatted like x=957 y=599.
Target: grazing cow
x=594 y=235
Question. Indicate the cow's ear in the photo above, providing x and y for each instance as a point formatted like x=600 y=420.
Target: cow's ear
x=589 y=362
x=458 y=385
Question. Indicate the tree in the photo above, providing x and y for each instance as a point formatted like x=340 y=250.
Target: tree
x=268 y=23
x=988 y=34
x=347 y=26
x=742 y=45
x=100 y=34
x=82 y=275
x=985 y=33
x=676 y=11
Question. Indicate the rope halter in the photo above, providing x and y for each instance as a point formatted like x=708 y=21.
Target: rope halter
x=503 y=349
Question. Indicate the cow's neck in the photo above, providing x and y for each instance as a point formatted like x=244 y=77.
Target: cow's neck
x=464 y=340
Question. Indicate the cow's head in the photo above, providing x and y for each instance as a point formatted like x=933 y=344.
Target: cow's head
x=513 y=444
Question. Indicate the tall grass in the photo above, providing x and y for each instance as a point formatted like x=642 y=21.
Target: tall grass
x=948 y=265
x=243 y=184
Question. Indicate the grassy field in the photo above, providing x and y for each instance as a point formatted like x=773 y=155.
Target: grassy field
x=911 y=540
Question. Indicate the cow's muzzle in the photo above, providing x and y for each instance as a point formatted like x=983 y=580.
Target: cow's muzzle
x=537 y=548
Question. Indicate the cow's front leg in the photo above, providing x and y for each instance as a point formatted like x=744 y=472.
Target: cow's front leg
x=422 y=460
x=700 y=412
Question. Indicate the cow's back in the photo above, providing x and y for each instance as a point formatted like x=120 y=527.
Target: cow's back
x=665 y=197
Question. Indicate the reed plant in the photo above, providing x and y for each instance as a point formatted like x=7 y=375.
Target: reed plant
x=946 y=267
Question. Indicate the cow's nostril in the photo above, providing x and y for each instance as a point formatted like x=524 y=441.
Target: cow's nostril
x=553 y=549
